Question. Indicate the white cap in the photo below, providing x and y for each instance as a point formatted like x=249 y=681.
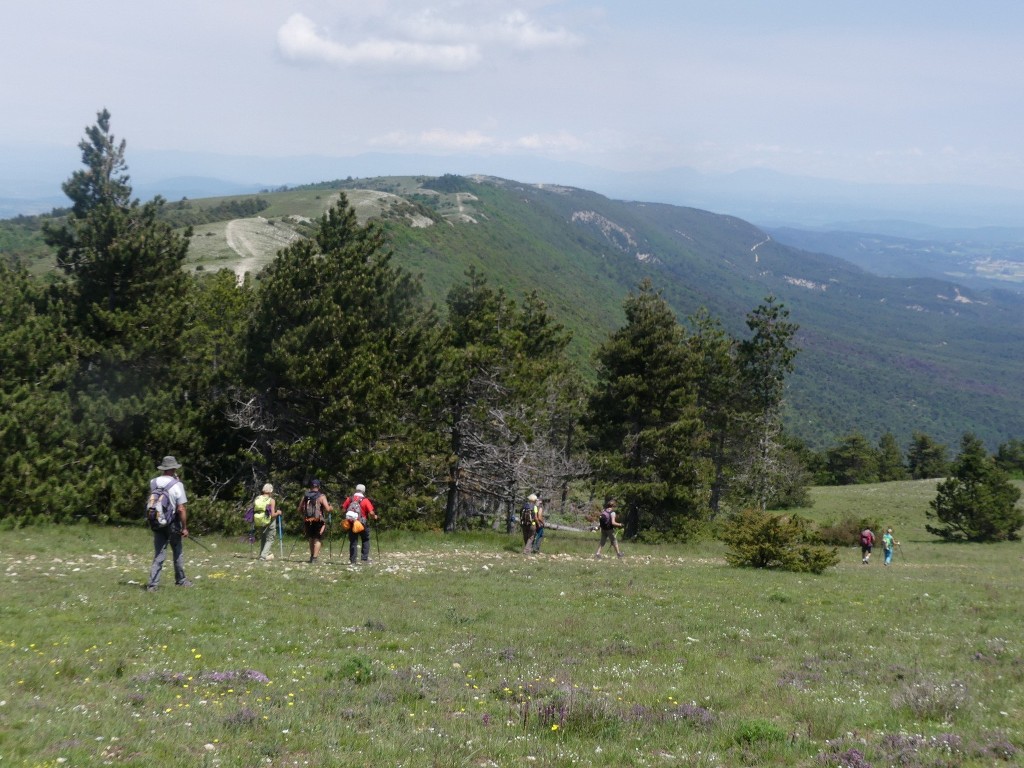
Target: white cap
x=360 y=488
x=268 y=488
x=532 y=497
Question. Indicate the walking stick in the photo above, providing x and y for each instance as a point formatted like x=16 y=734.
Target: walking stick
x=197 y=541
x=330 y=541
x=376 y=538
x=280 y=535
x=900 y=548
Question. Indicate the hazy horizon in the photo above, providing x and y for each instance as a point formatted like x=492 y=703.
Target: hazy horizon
x=870 y=93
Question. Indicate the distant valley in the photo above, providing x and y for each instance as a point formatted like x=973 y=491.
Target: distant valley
x=983 y=259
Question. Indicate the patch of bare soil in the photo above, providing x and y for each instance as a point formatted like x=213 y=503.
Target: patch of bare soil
x=256 y=241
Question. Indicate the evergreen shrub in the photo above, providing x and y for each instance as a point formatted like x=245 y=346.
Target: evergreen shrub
x=757 y=539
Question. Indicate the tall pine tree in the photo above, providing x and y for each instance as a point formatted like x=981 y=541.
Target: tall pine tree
x=128 y=307
x=646 y=432
x=765 y=360
x=339 y=358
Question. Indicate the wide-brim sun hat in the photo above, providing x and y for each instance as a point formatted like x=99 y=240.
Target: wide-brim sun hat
x=169 y=462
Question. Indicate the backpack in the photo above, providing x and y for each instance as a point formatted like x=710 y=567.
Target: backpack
x=527 y=518
x=866 y=539
x=356 y=506
x=605 y=520
x=249 y=514
x=261 y=511
x=161 y=510
x=310 y=508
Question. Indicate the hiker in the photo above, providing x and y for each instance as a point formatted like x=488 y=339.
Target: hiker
x=538 y=521
x=608 y=524
x=173 y=533
x=867 y=540
x=528 y=522
x=358 y=509
x=888 y=544
x=314 y=508
x=265 y=519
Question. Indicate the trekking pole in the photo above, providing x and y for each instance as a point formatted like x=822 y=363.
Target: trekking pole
x=280 y=535
x=899 y=546
x=376 y=537
x=330 y=541
x=197 y=541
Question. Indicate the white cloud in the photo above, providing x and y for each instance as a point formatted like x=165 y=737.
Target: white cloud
x=518 y=30
x=425 y=39
x=515 y=29
x=299 y=40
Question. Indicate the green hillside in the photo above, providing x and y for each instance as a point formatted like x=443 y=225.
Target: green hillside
x=878 y=354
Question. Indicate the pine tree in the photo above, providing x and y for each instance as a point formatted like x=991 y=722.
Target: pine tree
x=926 y=458
x=890 y=459
x=128 y=307
x=339 y=356
x=719 y=399
x=853 y=461
x=39 y=437
x=644 y=421
x=765 y=360
x=977 y=502
x=1010 y=457
x=211 y=372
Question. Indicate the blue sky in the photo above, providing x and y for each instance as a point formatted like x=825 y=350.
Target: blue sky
x=902 y=91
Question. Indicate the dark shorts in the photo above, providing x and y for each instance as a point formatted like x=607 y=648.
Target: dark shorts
x=314 y=528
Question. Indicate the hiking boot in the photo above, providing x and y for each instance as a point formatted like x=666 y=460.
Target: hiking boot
x=151 y=588
x=185 y=583
x=619 y=555
x=269 y=557
x=598 y=556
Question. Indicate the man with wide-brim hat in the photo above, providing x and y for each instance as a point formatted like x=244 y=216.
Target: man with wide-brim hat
x=173 y=533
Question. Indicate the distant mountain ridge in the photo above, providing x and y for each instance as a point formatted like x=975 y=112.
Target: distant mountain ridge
x=30 y=177
x=878 y=353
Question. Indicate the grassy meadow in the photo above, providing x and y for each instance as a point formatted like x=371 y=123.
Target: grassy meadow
x=459 y=651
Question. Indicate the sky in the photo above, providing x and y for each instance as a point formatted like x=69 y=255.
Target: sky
x=869 y=91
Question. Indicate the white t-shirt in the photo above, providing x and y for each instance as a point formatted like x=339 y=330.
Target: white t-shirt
x=177 y=493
